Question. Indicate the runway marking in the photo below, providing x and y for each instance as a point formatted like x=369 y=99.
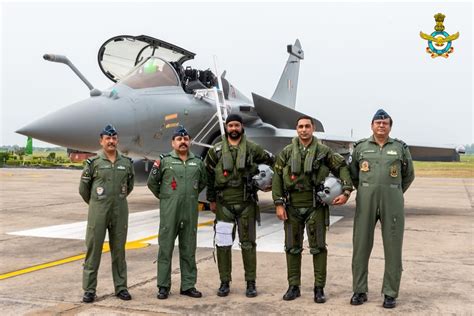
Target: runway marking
x=142 y=233
x=136 y=244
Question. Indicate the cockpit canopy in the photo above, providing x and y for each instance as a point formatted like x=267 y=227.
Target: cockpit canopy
x=150 y=73
x=146 y=62
x=120 y=54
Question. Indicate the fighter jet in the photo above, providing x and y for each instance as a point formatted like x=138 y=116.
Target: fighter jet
x=153 y=92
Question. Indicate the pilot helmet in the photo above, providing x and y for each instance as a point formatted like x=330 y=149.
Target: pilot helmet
x=332 y=188
x=263 y=180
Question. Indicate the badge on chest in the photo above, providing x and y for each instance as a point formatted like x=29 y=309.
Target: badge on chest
x=364 y=166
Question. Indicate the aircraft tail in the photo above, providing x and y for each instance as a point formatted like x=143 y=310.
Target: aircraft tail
x=285 y=92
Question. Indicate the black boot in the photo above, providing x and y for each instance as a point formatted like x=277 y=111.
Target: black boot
x=358 y=298
x=319 y=295
x=224 y=289
x=192 y=292
x=251 y=289
x=389 y=302
x=88 y=297
x=292 y=293
x=124 y=295
x=163 y=293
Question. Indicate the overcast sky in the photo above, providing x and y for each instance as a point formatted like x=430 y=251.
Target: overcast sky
x=359 y=57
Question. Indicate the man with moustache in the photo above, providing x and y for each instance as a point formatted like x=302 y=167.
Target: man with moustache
x=300 y=169
x=231 y=164
x=382 y=170
x=106 y=182
x=176 y=179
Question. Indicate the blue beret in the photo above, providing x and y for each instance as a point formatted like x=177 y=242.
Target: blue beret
x=180 y=131
x=109 y=130
x=381 y=115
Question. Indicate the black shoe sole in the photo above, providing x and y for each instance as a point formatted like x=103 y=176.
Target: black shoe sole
x=320 y=301
x=291 y=298
x=389 y=306
x=162 y=297
x=251 y=294
x=222 y=294
x=359 y=302
x=189 y=295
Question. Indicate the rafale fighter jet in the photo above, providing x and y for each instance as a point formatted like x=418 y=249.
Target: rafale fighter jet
x=154 y=92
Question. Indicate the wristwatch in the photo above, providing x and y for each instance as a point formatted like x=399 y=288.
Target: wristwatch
x=279 y=201
x=347 y=193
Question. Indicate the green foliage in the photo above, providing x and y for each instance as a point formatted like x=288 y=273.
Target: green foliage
x=3 y=157
x=460 y=169
x=51 y=156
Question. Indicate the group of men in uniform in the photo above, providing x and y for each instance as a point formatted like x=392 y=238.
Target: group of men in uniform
x=380 y=168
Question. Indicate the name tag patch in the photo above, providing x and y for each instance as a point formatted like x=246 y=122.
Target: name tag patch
x=392 y=152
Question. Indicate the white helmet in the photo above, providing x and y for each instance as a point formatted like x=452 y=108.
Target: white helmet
x=263 y=180
x=332 y=188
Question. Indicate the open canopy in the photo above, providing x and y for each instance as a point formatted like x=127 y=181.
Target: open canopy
x=120 y=54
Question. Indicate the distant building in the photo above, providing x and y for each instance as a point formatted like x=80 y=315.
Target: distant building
x=78 y=156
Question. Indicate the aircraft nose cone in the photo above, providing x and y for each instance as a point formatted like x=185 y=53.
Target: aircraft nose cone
x=76 y=126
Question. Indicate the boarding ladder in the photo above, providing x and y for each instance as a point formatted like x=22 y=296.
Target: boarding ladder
x=211 y=96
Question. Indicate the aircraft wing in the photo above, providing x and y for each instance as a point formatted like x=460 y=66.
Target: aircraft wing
x=277 y=114
x=275 y=140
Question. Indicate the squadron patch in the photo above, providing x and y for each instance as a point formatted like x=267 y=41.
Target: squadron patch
x=157 y=163
x=393 y=171
x=364 y=166
x=99 y=190
x=196 y=184
x=124 y=189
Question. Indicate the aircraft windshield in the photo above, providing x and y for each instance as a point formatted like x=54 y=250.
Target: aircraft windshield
x=153 y=72
x=119 y=54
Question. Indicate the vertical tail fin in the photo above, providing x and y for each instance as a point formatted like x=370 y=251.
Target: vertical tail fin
x=285 y=92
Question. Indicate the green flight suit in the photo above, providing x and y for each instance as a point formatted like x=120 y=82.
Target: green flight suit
x=105 y=186
x=299 y=173
x=177 y=184
x=230 y=170
x=381 y=176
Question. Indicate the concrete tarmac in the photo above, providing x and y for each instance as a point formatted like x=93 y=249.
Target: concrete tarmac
x=438 y=257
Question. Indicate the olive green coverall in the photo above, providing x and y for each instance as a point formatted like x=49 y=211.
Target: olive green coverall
x=105 y=186
x=299 y=173
x=230 y=170
x=381 y=176
x=177 y=184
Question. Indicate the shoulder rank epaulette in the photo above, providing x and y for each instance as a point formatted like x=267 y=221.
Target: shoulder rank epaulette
x=359 y=141
x=164 y=156
x=126 y=157
x=401 y=142
x=91 y=159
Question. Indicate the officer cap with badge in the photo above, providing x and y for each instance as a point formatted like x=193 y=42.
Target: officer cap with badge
x=109 y=130
x=382 y=115
x=180 y=131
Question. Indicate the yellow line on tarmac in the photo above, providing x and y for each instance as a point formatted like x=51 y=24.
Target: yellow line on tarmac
x=136 y=244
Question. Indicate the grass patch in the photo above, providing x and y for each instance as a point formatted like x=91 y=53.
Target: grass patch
x=434 y=169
